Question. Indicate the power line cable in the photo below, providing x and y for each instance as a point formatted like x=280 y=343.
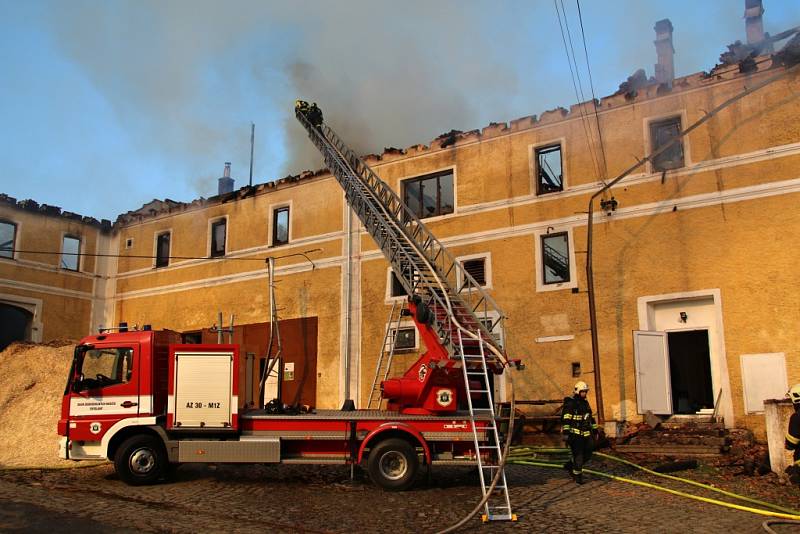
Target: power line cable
x=594 y=98
x=584 y=119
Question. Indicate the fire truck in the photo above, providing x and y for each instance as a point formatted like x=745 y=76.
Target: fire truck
x=146 y=401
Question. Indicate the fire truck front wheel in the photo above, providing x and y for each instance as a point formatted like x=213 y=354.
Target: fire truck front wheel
x=393 y=464
x=140 y=460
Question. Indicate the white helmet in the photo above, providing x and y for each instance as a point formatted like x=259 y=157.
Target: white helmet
x=794 y=394
x=583 y=386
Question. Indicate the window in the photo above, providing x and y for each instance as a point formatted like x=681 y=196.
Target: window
x=105 y=367
x=218 y=231
x=8 y=235
x=477 y=269
x=162 y=249
x=396 y=289
x=661 y=133
x=555 y=258
x=405 y=338
x=70 y=253
x=549 y=175
x=129 y=243
x=192 y=337
x=430 y=195
x=280 y=226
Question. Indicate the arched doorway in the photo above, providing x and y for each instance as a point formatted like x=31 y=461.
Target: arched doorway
x=15 y=324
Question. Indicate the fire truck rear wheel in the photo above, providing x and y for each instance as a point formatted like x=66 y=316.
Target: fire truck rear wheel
x=393 y=464
x=140 y=460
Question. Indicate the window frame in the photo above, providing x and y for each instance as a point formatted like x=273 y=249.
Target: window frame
x=487 y=268
x=13 y=252
x=537 y=170
x=129 y=371
x=404 y=183
x=649 y=122
x=157 y=236
x=274 y=210
x=405 y=325
x=390 y=297
x=539 y=260
x=533 y=165
x=64 y=237
x=211 y=224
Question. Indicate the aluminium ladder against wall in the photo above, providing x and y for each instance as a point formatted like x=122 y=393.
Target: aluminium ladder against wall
x=384 y=363
x=426 y=270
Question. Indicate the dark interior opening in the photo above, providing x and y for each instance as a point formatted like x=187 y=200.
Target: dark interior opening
x=690 y=371
x=14 y=324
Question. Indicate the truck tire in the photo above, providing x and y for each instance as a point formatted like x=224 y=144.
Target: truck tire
x=140 y=460
x=393 y=464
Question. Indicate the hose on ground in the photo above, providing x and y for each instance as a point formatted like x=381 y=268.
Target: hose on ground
x=784 y=514
x=766 y=524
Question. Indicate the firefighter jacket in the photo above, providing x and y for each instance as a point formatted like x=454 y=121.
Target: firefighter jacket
x=576 y=417
x=793 y=436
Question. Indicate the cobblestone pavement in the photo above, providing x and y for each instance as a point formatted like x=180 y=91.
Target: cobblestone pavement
x=322 y=499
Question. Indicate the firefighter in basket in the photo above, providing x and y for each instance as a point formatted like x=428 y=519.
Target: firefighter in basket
x=579 y=430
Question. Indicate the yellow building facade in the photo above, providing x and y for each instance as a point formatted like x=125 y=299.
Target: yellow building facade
x=52 y=272
x=696 y=251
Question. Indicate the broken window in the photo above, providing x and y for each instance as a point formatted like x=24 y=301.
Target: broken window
x=8 y=235
x=405 y=338
x=162 y=249
x=70 y=250
x=430 y=195
x=476 y=268
x=280 y=226
x=397 y=289
x=549 y=176
x=661 y=133
x=218 y=231
x=555 y=258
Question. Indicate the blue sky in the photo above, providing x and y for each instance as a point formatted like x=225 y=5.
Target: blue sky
x=107 y=105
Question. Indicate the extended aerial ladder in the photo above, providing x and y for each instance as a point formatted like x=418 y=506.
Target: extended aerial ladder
x=462 y=313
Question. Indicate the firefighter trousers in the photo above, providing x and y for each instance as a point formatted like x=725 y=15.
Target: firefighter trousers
x=581 y=451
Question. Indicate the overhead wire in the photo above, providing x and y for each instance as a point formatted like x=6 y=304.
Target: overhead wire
x=575 y=85
x=594 y=98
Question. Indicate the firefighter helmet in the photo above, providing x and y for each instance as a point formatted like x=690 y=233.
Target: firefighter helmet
x=581 y=386
x=794 y=394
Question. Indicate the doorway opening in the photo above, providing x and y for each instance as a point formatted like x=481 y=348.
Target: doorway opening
x=15 y=324
x=690 y=371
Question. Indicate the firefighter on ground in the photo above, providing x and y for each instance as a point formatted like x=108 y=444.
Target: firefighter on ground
x=793 y=435
x=578 y=427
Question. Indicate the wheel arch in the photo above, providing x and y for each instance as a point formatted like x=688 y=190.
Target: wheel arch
x=123 y=433
x=395 y=430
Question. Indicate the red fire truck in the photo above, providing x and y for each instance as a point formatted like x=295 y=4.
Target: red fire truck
x=145 y=401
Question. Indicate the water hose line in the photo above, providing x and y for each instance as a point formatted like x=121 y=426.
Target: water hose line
x=783 y=513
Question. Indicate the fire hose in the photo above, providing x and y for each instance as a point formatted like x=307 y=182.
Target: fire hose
x=534 y=457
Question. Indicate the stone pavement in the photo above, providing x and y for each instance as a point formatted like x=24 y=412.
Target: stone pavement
x=322 y=499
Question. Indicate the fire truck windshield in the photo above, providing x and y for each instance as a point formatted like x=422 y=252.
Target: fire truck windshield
x=102 y=367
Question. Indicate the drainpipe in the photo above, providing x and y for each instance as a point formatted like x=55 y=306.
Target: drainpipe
x=348 y=288
x=615 y=181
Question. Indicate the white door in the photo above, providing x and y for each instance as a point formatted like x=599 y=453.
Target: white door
x=653 y=387
x=271 y=385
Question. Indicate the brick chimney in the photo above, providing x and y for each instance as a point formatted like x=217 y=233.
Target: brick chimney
x=754 y=26
x=226 y=182
x=665 y=68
